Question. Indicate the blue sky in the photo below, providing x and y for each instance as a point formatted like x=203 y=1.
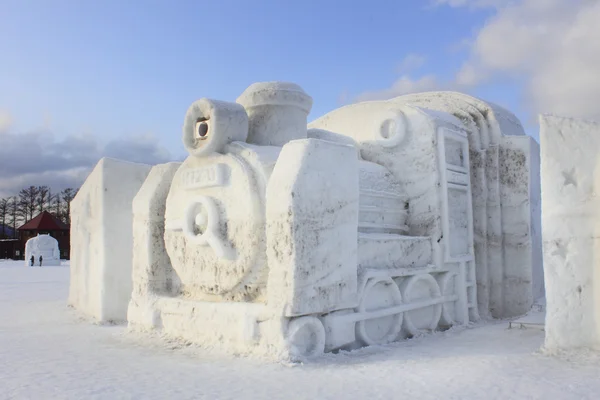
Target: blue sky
x=111 y=69
x=114 y=68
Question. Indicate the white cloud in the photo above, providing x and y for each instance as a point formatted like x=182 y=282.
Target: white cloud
x=404 y=85
x=410 y=63
x=552 y=45
x=343 y=98
x=38 y=158
x=5 y=121
x=549 y=47
x=472 y=3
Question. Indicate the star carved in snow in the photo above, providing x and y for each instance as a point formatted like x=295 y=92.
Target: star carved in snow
x=569 y=177
x=561 y=250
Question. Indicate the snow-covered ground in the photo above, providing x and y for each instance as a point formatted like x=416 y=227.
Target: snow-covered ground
x=47 y=352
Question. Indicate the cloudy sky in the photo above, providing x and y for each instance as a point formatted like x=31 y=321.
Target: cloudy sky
x=84 y=79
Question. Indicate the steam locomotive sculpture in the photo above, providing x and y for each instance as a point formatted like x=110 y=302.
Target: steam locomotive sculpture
x=378 y=221
x=305 y=240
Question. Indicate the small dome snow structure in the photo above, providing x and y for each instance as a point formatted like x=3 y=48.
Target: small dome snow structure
x=45 y=246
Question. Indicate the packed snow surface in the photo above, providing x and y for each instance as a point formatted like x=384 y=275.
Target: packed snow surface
x=48 y=352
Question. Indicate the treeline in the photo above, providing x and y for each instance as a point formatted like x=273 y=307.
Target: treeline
x=16 y=210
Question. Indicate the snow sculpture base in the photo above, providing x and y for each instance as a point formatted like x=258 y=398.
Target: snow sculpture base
x=101 y=240
x=45 y=246
x=571 y=221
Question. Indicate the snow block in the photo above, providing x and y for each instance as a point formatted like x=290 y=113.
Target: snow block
x=46 y=247
x=152 y=271
x=101 y=239
x=571 y=227
x=312 y=215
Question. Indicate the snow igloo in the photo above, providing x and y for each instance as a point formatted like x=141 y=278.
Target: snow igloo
x=46 y=247
x=378 y=221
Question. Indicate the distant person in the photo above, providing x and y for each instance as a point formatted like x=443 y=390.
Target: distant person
x=32 y=260
x=41 y=261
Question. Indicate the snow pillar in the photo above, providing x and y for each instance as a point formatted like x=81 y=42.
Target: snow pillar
x=571 y=228
x=520 y=199
x=101 y=239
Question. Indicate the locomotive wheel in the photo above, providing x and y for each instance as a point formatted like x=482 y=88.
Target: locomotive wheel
x=306 y=337
x=379 y=294
x=419 y=288
x=447 y=283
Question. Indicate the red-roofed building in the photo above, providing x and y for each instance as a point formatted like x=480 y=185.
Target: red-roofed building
x=46 y=224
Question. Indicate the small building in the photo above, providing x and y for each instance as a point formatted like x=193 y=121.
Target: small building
x=7 y=232
x=10 y=248
x=45 y=224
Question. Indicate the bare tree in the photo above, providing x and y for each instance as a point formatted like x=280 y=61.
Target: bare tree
x=32 y=201
x=68 y=195
x=4 y=210
x=14 y=213
x=28 y=201
x=56 y=206
x=44 y=198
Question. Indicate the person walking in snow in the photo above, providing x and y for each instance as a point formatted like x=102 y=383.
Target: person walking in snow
x=32 y=260
x=41 y=261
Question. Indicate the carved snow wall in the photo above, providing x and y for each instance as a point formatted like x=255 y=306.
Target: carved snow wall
x=101 y=240
x=571 y=231
x=504 y=168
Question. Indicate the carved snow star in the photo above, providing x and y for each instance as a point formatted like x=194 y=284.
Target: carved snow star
x=569 y=177
x=561 y=250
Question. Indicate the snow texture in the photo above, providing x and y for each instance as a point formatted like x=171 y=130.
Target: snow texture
x=102 y=238
x=46 y=247
x=571 y=221
x=48 y=353
x=506 y=197
x=312 y=208
x=504 y=174
x=152 y=273
x=277 y=112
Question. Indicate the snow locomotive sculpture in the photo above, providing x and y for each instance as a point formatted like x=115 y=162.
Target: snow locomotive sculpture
x=276 y=238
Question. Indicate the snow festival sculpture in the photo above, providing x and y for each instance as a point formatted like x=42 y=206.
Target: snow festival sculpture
x=44 y=246
x=571 y=221
x=378 y=221
x=282 y=238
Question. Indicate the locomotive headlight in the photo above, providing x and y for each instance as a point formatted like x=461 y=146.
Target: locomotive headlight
x=202 y=129
x=209 y=125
